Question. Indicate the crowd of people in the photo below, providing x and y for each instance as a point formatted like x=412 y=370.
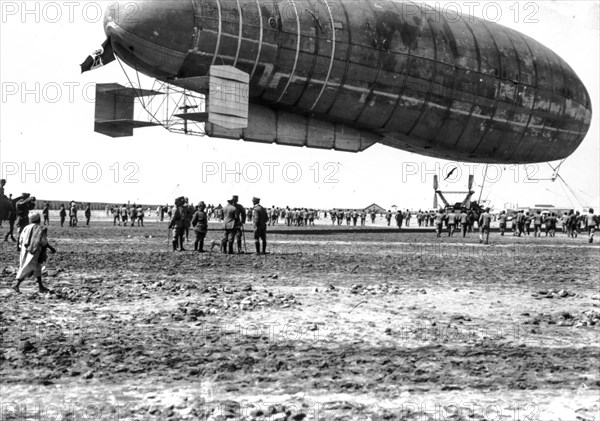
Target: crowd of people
x=184 y=216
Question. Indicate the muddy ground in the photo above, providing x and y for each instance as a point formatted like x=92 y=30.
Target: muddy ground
x=335 y=324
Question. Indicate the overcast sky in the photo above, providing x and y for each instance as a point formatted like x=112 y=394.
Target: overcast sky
x=48 y=146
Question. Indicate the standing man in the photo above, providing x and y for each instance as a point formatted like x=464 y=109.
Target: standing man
x=200 y=224
x=485 y=220
x=502 y=222
x=141 y=215
x=388 y=217
x=464 y=221
x=116 y=213
x=46 y=213
x=259 y=221
x=133 y=214
x=63 y=214
x=124 y=214
x=88 y=214
x=439 y=219
x=592 y=222
x=451 y=223
x=399 y=218
x=232 y=222
x=33 y=243
x=239 y=226
x=176 y=224
x=407 y=217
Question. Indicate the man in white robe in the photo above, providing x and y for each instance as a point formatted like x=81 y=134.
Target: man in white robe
x=33 y=243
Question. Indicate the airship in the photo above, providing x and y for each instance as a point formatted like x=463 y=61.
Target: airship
x=346 y=74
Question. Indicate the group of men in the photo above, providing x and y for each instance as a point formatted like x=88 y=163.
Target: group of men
x=185 y=217
x=123 y=214
x=572 y=223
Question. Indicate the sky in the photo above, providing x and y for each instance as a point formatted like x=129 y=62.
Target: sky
x=48 y=146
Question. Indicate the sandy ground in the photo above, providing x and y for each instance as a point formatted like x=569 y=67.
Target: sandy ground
x=336 y=323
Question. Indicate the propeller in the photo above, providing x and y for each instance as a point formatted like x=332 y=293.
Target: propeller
x=468 y=201
x=435 y=188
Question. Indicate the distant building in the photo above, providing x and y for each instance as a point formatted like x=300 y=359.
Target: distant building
x=375 y=207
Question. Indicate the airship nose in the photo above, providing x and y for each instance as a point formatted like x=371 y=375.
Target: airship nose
x=151 y=35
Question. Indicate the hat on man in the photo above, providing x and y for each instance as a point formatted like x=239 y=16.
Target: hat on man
x=25 y=194
x=234 y=198
x=34 y=218
x=255 y=200
x=201 y=204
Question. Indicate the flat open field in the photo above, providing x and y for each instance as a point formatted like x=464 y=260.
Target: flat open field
x=337 y=323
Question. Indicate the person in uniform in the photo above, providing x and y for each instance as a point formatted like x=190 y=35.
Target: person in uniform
x=363 y=218
x=33 y=243
x=464 y=222
x=537 y=224
x=133 y=214
x=373 y=216
x=451 y=221
x=200 y=224
x=591 y=222
x=439 y=219
x=259 y=221
x=502 y=222
x=46 y=213
x=2 y=184
x=140 y=215
x=176 y=224
x=116 y=213
x=124 y=214
x=399 y=218
x=407 y=217
x=388 y=217
x=88 y=214
x=485 y=220
x=63 y=214
x=239 y=224
x=232 y=222
x=520 y=222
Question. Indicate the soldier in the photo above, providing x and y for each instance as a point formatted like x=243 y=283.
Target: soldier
x=124 y=214
x=399 y=218
x=373 y=216
x=133 y=214
x=116 y=213
x=88 y=214
x=232 y=222
x=464 y=222
x=564 y=221
x=485 y=220
x=72 y=214
x=591 y=222
x=407 y=217
x=388 y=217
x=46 y=213
x=2 y=184
x=187 y=211
x=140 y=214
x=451 y=221
x=200 y=224
x=439 y=219
x=63 y=214
x=33 y=244
x=354 y=217
x=502 y=222
x=572 y=223
x=259 y=219
x=239 y=233
x=176 y=224
x=537 y=224
x=363 y=218
x=527 y=223
x=520 y=222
